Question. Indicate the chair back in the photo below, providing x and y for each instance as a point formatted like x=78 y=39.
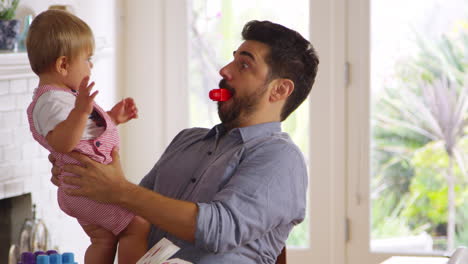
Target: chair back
x=282 y=257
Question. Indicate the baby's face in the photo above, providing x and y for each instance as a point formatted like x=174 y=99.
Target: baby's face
x=79 y=68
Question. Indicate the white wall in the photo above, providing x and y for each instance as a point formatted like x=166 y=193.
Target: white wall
x=144 y=68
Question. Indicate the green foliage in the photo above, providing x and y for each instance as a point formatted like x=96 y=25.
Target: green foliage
x=297 y=126
x=8 y=9
x=392 y=150
x=393 y=227
x=299 y=237
x=437 y=59
x=385 y=224
x=389 y=221
x=462 y=219
x=429 y=187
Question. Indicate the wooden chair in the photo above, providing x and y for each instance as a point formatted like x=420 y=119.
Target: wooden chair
x=282 y=257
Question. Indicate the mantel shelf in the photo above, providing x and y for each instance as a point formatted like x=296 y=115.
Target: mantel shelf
x=14 y=65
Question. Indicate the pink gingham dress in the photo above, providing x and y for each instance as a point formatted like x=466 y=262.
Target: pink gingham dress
x=86 y=211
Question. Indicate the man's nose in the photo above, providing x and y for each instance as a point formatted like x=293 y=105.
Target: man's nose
x=225 y=73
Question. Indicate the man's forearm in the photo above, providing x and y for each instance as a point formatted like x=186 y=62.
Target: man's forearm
x=174 y=216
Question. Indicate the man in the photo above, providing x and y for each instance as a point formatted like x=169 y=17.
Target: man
x=231 y=194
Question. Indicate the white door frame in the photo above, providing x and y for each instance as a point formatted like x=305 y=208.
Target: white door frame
x=327 y=184
x=358 y=138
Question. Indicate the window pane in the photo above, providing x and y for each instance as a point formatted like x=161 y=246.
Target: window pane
x=419 y=63
x=215 y=32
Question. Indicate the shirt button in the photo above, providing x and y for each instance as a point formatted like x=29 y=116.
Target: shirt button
x=98 y=144
x=193 y=180
x=209 y=153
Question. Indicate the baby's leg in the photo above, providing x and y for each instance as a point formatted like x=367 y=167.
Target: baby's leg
x=103 y=245
x=133 y=241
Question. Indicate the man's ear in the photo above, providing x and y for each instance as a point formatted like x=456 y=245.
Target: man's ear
x=282 y=89
x=62 y=65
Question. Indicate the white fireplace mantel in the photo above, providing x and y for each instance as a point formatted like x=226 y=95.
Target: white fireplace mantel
x=15 y=65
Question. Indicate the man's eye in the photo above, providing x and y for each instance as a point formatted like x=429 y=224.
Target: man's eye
x=244 y=65
x=90 y=59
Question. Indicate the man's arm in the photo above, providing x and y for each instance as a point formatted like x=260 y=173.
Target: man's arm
x=266 y=194
x=174 y=216
x=107 y=183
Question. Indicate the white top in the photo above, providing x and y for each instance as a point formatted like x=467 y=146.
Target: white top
x=53 y=107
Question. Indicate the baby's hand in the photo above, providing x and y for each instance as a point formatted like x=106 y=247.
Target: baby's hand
x=84 y=101
x=124 y=111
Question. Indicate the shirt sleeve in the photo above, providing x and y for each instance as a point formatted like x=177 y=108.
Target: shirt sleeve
x=52 y=108
x=267 y=191
x=149 y=179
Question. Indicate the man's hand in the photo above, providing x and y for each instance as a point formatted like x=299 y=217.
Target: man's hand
x=124 y=111
x=99 y=182
x=55 y=171
x=84 y=101
x=107 y=184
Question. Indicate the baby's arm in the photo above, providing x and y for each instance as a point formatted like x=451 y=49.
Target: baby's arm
x=123 y=111
x=66 y=135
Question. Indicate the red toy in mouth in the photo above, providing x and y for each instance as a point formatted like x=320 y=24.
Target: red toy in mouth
x=220 y=95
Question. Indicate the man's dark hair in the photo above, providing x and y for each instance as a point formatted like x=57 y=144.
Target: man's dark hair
x=290 y=57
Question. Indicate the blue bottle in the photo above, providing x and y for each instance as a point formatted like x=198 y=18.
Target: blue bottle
x=42 y=259
x=68 y=258
x=55 y=259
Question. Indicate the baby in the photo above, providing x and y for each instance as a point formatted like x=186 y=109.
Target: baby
x=63 y=117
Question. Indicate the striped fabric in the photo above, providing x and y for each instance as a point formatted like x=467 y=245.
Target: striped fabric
x=86 y=211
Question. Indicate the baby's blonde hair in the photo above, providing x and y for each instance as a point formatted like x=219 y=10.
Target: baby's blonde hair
x=55 y=33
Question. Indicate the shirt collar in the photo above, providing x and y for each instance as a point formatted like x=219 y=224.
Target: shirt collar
x=246 y=133
x=216 y=130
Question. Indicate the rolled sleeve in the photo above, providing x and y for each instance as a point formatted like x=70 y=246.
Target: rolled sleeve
x=267 y=190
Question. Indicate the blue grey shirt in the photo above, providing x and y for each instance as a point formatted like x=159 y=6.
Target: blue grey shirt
x=250 y=187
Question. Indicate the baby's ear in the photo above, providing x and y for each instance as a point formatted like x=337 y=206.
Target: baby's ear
x=62 y=65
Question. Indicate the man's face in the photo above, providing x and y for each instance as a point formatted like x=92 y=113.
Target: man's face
x=246 y=78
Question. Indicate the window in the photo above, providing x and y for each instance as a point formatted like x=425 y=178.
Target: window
x=419 y=129
x=409 y=112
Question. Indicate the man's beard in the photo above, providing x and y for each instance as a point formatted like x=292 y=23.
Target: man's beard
x=245 y=106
